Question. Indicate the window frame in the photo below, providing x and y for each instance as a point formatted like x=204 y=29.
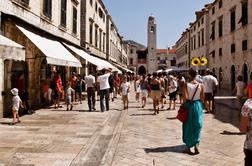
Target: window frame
x=63 y=13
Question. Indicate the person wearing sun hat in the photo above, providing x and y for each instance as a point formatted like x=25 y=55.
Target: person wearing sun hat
x=16 y=103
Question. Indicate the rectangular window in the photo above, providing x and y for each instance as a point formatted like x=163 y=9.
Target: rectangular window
x=100 y=39
x=131 y=61
x=244 y=45
x=104 y=41
x=220 y=4
x=213 y=31
x=213 y=53
x=220 y=27
x=131 y=51
x=220 y=51
x=233 y=48
x=194 y=42
x=47 y=8
x=199 y=41
x=91 y=2
x=232 y=20
x=96 y=6
x=26 y=1
x=91 y=32
x=96 y=36
x=191 y=43
x=202 y=20
x=63 y=11
x=213 y=10
x=74 y=20
x=244 y=16
x=199 y=24
x=185 y=49
x=100 y=13
x=202 y=37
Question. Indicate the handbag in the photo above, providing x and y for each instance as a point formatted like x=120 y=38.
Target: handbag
x=183 y=111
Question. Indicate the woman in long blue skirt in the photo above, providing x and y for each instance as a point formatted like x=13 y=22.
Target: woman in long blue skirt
x=193 y=95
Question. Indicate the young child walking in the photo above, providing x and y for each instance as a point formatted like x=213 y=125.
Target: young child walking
x=125 y=88
x=69 y=94
x=16 y=103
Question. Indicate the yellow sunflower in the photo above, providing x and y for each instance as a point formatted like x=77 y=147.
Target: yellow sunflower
x=195 y=62
x=203 y=61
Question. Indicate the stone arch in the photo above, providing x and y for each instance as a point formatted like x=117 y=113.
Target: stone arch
x=232 y=76
x=245 y=73
x=220 y=76
x=141 y=70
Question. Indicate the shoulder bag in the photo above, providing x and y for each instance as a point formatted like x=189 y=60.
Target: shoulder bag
x=183 y=112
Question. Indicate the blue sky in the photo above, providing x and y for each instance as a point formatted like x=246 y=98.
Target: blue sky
x=172 y=16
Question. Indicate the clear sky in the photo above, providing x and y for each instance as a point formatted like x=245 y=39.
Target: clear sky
x=172 y=16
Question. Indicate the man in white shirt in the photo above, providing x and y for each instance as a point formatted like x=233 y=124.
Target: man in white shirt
x=210 y=83
x=90 y=84
x=104 y=89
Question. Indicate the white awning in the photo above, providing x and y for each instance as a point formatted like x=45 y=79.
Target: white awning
x=11 y=50
x=100 y=63
x=55 y=52
x=123 y=68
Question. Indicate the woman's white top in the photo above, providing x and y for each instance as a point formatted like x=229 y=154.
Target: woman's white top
x=191 y=89
x=240 y=86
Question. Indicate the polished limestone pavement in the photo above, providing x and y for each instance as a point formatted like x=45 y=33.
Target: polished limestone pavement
x=134 y=137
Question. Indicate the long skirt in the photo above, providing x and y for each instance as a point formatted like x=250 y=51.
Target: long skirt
x=192 y=127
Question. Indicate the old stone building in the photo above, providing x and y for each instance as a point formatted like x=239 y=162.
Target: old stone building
x=227 y=28
x=182 y=47
x=93 y=23
x=39 y=26
x=143 y=59
x=136 y=57
x=166 y=58
x=152 y=45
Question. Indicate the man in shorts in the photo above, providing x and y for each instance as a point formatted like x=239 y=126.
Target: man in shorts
x=209 y=82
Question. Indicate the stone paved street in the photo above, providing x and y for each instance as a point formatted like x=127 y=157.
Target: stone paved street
x=118 y=138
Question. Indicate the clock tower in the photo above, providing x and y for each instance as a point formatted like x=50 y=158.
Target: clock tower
x=152 y=45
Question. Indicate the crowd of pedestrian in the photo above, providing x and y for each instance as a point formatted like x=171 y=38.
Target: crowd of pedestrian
x=195 y=93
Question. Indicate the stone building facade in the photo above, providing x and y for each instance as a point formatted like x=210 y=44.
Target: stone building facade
x=93 y=27
x=182 y=47
x=55 y=20
x=152 y=45
x=166 y=58
x=227 y=40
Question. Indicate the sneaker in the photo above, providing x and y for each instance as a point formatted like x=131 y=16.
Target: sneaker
x=94 y=109
x=168 y=108
x=71 y=108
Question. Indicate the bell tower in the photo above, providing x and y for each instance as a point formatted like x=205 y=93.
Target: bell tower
x=152 y=45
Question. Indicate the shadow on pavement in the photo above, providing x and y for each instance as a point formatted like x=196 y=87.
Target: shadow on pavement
x=172 y=118
x=231 y=133
x=141 y=114
x=226 y=111
x=176 y=149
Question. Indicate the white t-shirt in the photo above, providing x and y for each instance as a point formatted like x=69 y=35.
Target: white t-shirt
x=125 y=86
x=209 y=83
x=138 y=88
x=16 y=102
x=104 y=81
x=69 y=91
x=90 y=80
x=173 y=87
x=240 y=86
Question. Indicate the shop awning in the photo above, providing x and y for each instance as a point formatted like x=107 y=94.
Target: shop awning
x=55 y=52
x=11 y=50
x=100 y=63
x=123 y=68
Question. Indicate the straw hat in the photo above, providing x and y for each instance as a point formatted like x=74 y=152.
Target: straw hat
x=14 y=91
